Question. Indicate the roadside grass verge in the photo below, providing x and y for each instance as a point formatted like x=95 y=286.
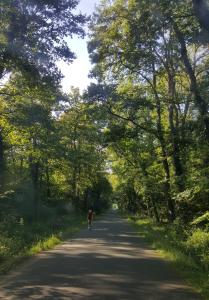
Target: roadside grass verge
x=20 y=242
x=170 y=241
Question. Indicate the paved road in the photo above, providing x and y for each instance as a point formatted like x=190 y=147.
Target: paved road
x=110 y=262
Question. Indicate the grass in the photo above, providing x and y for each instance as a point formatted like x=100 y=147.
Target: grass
x=170 y=241
x=19 y=242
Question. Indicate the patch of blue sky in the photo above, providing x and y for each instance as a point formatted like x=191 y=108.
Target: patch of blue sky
x=76 y=73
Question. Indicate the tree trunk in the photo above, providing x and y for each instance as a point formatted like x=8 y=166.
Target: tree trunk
x=1 y=71
x=48 y=187
x=34 y=168
x=74 y=193
x=86 y=198
x=179 y=172
x=21 y=165
x=150 y=199
x=2 y=162
x=199 y=101
x=155 y=211
x=167 y=187
x=170 y=203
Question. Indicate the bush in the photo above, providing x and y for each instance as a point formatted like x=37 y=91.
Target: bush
x=202 y=221
x=198 y=244
x=191 y=202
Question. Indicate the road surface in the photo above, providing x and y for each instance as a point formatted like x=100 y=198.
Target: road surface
x=110 y=262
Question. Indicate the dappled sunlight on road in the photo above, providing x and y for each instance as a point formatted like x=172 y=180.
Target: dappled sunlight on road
x=108 y=262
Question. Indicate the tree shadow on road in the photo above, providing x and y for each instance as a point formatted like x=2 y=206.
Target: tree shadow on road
x=109 y=262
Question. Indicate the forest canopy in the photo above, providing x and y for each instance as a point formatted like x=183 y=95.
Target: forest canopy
x=145 y=123
x=49 y=143
x=152 y=63
x=138 y=137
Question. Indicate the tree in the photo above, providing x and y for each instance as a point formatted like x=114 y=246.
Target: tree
x=84 y=160
x=33 y=35
x=201 y=10
x=32 y=39
x=148 y=54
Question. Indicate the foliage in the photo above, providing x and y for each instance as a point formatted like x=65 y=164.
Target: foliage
x=151 y=68
x=191 y=203
x=138 y=137
x=198 y=245
x=22 y=240
x=187 y=253
x=33 y=36
x=51 y=161
x=202 y=220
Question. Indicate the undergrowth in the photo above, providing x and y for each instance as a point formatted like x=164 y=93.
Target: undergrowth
x=19 y=241
x=187 y=250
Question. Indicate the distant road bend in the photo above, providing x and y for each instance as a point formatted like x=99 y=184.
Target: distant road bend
x=110 y=262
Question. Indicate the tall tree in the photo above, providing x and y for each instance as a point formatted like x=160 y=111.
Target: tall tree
x=33 y=35
x=139 y=42
x=32 y=39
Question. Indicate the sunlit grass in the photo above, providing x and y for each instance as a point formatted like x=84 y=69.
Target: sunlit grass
x=170 y=242
x=45 y=245
x=21 y=242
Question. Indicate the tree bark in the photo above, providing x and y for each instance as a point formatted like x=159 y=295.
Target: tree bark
x=34 y=171
x=167 y=188
x=150 y=199
x=199 y=101
x=1 y=72
x=155 y=211
x=48 y=188
x=2 y=162
x=34 y=167
x=179 y=172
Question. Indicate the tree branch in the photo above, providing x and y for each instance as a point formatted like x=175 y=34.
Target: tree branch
x=127 y=119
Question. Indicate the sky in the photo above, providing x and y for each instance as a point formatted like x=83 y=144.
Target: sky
x=76 y=74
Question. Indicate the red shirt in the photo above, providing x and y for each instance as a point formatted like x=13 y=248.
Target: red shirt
x=90 y=214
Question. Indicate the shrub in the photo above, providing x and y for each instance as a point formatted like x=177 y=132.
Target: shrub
x=191 y=202
x=198 y=244
x=201 y=221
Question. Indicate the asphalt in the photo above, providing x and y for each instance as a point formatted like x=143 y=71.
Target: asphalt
x=108 y=262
